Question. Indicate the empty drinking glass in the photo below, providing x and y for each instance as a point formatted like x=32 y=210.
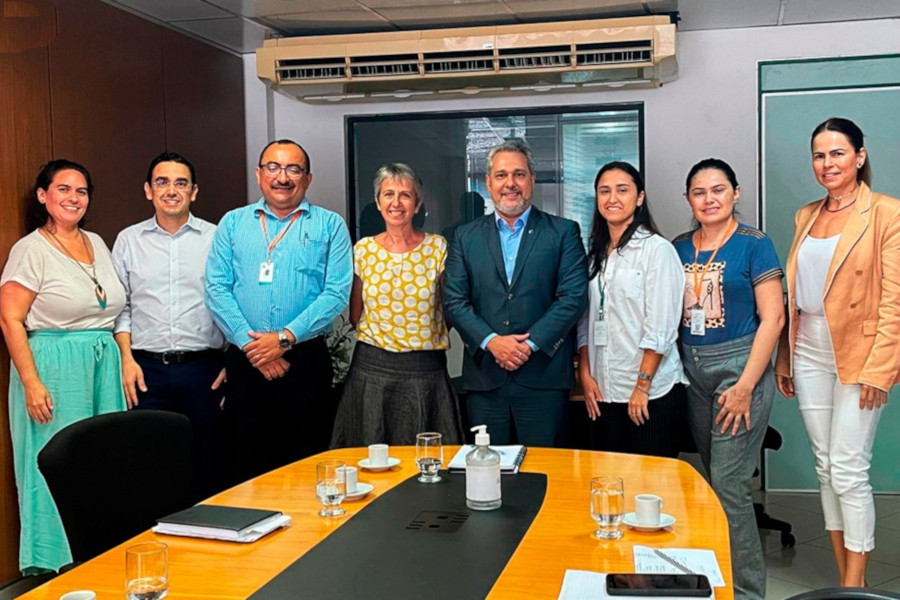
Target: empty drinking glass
x=331 y=486
x=607 y=506
x=146 y=571
x=429 y=456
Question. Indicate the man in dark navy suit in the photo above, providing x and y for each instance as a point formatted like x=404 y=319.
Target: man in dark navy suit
x=515 y=286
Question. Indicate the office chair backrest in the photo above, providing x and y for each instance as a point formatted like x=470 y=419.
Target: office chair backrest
x=846 y=594
x=113 y=475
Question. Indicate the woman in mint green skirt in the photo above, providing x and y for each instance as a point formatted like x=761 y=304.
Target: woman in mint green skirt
x=59 y=297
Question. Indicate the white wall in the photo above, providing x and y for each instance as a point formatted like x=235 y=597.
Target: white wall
x=710 y=110
x=258 y=118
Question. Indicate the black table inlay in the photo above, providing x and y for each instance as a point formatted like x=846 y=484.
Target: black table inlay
x=381 y=552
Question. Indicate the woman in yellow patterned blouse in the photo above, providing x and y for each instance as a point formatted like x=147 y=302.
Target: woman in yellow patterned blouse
x=398 y=384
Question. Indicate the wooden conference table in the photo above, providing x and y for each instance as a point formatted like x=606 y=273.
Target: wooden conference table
x=559 y=538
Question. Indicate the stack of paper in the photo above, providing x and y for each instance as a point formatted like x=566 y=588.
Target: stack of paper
x=227 y=523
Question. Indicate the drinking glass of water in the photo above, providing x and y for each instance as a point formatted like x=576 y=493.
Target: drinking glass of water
x=146 y=571
x=429 y=456
x=331 y=486
x=607 y=506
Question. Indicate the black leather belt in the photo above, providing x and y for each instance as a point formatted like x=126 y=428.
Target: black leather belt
x=177 y=357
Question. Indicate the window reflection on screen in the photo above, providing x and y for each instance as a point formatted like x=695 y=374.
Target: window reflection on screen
x=449 y=151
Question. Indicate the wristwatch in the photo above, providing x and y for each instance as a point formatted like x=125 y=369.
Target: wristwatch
x=284 y=342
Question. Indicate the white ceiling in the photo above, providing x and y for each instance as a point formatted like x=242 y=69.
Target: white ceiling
x=241 y=25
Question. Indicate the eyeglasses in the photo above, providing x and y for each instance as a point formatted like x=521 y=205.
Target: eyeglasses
x=272 y=169
x=182 y=185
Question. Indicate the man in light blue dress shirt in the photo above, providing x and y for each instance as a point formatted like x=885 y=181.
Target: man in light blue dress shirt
x=515 y=285
x=279 y=272
x=172 y=351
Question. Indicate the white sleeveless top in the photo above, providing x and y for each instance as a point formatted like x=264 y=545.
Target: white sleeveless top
x=813 y=260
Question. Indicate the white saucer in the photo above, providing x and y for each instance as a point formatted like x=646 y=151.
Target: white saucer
x=362 y=490
x=665 y=520
x=391 y=463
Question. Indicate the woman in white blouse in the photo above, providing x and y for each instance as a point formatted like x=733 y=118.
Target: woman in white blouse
x=628 y=357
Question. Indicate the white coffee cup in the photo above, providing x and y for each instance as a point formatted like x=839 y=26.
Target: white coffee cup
x=351 y=476
x=79 y=595
x=647 y=509
x=378 y=455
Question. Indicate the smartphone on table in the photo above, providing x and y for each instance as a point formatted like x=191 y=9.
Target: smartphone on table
x=653 y=584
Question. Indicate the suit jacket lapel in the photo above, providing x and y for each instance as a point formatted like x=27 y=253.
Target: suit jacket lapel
x=856 y=225
x=492 y=243
x=529 y=237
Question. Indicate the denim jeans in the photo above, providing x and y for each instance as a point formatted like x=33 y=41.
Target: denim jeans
x=731 y=459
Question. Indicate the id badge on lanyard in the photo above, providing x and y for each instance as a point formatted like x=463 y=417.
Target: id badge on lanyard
x=601 y=332
x=698 y=322
x=266 y=271
x=698 y=317
x=267 y=267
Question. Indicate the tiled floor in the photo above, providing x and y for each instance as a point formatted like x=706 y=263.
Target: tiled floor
x=810 y=564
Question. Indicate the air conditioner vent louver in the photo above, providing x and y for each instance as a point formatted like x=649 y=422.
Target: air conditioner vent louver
x=520 y=59
x=311 y=69
x=384 y=66
x=472 y=61
x=535 y=58
x=614 y=54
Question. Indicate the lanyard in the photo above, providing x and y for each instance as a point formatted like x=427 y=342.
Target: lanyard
x=265 y=229
x=698 y=281
x=601 y=287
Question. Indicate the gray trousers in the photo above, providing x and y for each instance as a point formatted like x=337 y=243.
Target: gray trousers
x=731 y=459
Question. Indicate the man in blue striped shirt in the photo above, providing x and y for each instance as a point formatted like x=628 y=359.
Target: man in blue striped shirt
x=278 y=274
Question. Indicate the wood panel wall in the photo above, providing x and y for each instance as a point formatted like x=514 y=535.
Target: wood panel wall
x=107 y=106
x=206 y=132
x=111 y=91
x=25 y=144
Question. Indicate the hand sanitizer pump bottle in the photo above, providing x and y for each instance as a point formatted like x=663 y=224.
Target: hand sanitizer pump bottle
x=482 y=473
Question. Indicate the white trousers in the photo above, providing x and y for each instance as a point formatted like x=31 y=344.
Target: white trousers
x=841 y=435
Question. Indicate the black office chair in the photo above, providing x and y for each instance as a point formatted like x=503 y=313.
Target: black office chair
x=113 y=475
x=772 y=441
x=846 y=594
x=24 y=585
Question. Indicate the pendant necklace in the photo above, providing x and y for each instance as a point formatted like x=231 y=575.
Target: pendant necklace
x=838 y=200
x=99 y=292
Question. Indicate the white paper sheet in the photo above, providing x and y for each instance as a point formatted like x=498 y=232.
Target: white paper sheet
x=590 y=585
x=653 y=560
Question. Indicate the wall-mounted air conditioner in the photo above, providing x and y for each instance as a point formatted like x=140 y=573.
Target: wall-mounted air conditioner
x=561 y=56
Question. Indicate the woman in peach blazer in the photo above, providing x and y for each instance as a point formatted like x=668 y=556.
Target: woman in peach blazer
x=841 y=351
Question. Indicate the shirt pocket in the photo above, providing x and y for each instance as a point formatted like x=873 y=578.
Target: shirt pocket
x=310 y=265
x=312 y=256
x=630 y=283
